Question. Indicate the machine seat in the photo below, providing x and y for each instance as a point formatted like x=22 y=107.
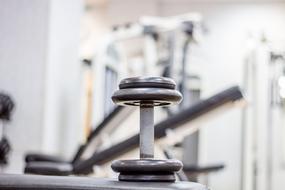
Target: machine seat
x=34 y=157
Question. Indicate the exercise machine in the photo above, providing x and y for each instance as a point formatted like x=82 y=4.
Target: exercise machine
x=92 y=143
x=112 y=60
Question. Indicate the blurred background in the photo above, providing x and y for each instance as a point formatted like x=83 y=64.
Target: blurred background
x=61 y=61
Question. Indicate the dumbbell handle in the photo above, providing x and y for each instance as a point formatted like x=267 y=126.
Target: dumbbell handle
x=146 y=132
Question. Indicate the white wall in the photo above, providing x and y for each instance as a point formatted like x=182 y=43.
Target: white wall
x=39 y=67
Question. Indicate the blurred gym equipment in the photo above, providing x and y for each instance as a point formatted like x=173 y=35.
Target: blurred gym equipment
x=93 y=141
x=131 y=49
x=6 y=108
x=263 y=121
x=113 y=118
x=5 y=149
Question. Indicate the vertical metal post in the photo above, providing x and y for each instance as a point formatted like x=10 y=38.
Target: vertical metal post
x=146 y=132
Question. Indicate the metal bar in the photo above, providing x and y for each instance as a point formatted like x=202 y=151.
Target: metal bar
x=146 y=132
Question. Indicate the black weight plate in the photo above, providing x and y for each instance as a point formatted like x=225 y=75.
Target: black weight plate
x=136 y=96
x=147 y=165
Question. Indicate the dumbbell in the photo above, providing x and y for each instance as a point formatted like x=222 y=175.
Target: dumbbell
x=6 y=106
x=147 y=93
x=5 y=149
